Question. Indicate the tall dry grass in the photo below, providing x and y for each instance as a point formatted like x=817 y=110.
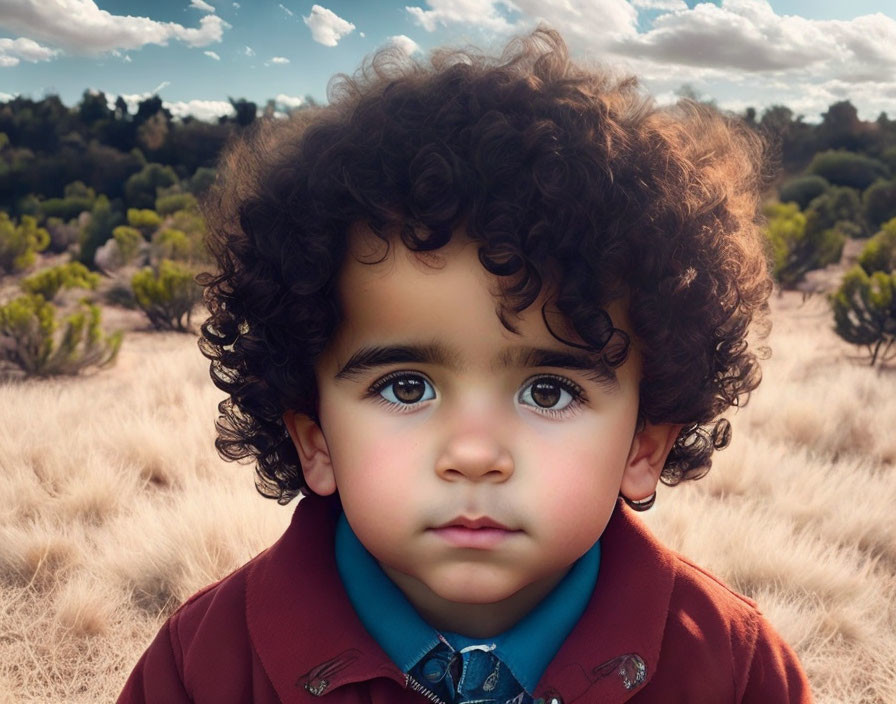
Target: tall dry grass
x=114 y=508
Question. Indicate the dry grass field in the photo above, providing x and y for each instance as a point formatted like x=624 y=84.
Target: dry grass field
x=114 y=507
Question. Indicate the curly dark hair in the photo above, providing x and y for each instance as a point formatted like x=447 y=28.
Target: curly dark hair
x=565 y=176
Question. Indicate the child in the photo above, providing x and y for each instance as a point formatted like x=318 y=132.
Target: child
x=474 y=313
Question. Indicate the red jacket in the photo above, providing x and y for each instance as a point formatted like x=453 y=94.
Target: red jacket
x=281 y=629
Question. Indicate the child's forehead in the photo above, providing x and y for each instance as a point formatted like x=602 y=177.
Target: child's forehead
x=381 y=280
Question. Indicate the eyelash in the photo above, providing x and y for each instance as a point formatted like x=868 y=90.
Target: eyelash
x=574 y=390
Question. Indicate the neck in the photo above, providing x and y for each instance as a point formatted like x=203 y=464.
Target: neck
x=474 y=620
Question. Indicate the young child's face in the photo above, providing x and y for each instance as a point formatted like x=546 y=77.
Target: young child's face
x=471 y=465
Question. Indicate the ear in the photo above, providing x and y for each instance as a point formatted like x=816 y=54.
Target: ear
x=650 y=448
x=314 y=454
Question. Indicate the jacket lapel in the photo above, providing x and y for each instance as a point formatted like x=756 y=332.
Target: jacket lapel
x=300 y=621
x=614 y=649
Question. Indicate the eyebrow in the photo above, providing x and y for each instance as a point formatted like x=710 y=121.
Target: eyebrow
x=371 y=357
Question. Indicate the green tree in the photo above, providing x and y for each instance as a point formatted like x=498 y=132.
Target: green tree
x=802 y=190
x=843 y=168
x=19 y=244
x=879 y=202
x=30 y=344
x=166 y=205
x=167 y=295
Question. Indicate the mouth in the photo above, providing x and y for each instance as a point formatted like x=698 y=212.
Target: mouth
x=480 y=533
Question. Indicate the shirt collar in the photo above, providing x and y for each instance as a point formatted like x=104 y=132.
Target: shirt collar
x=526 y=648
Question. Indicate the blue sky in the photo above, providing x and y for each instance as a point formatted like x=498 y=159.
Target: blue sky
x=197 y=53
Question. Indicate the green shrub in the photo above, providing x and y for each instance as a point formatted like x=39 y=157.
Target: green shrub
x=48 y=282
x=865 y=311
x=171 y=244
x=129 y=240
x=141 y=189
x=103 y=221
x=201 y=180
x=802 y=190
x=879 y=202
x=167 y=295
x=19 y=244
x=838 y=204
x=143 y=218
x=845 y=168
x=795 y=249
x=166 y=205
x=880 y=252
x=28 y=328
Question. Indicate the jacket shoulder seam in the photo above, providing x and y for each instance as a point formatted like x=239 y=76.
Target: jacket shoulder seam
x=745 y=600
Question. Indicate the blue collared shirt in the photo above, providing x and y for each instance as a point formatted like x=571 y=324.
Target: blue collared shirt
x=526 y=648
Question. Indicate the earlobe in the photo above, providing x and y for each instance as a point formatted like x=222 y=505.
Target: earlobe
x=647 y=457
x=314 y=454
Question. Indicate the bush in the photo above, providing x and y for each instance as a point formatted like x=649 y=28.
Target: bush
x=30 y=345
x=865 y=311
x=103 y=221
x=879 y=202
x=844 y=168
x=201 y=181
x=19 y=244
x=140 y=190
x=78 y=198
x=143 y=218
x=129 y=240
x=838 y=204
x=167 y=295
x=171 y=244
x=802 y=190
x=795 y=249
x=62 y=235
x=880 y=252
x=48 y=282
x=166 y=205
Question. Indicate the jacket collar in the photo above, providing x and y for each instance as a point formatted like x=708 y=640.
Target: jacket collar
x=310 y=641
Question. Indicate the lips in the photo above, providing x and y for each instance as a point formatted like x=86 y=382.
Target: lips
x=476 y=533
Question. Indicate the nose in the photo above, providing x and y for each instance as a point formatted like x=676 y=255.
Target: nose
x=474 y=456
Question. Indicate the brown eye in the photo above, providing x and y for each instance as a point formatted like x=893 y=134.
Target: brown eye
x=403 y=389
x=408 y=390
x=552 y=395
x=546 y=393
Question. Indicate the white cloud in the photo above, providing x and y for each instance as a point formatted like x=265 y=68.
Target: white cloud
x=289 y=101
x=6 y=97
x=249 y=51
x=208 y=110
x=212 y=55
x=127 y=59
x=12 y=51
x=279 y=60
x=362 y=35
x=162 y=86
x=406 y=44
x=665 y=5
x=202 y=5
x=481 y=13
x=236 y=5
x=81 y=27
x=747 y=35
x=286 y=9
x=326 y=26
